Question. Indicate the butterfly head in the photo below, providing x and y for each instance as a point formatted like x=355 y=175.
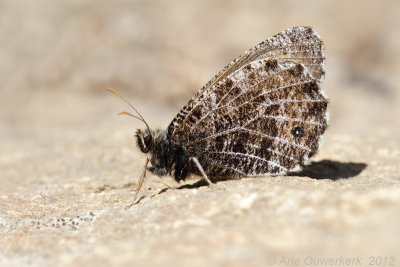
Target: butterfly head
x=145 y=140
x=155 y=145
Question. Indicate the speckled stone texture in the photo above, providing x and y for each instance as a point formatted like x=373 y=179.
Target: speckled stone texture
x=69 y=165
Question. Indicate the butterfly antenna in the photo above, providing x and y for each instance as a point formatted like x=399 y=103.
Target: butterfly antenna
x=140 y=117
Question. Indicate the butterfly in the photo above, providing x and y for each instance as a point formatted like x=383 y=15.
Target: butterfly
x=262 y=114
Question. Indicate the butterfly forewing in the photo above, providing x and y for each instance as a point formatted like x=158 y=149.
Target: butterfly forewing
x=300 y=44
x=262 y=114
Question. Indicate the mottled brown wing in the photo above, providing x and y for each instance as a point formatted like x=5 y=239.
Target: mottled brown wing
x=298 y=44
x=266 y=117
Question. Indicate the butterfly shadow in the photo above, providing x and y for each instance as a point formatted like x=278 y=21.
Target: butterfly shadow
x=197 y=184
x=324 y=169
x=330 y=169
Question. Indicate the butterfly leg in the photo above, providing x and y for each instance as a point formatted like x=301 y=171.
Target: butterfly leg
x=198 y=165
x=141 y=181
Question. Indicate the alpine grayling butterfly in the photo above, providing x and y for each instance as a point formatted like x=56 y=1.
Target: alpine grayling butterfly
x=263 y=114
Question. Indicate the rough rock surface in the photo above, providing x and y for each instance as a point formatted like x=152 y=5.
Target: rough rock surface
x=68 y=165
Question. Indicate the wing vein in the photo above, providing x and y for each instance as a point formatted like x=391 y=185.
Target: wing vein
x=251 y=131
x=282 y=118
x=268 y=149
x=227 y=167
x=249 y=156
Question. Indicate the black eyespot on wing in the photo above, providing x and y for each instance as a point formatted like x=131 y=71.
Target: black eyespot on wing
x=298 y=132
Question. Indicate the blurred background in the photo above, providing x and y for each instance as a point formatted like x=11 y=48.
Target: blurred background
x=57 y=58
x=61 y=141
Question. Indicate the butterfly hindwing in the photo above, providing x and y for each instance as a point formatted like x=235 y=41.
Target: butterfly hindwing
x=271 y=125
x=262 y=114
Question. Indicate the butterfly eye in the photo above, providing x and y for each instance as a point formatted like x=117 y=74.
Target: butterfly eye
x=148 y=140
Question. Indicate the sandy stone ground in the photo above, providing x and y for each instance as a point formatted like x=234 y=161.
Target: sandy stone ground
x=69 y=165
